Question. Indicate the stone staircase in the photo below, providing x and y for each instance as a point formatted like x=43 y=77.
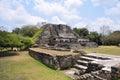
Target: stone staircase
x=85 y=71
x=95 y=66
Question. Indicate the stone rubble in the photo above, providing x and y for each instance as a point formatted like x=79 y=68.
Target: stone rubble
x=96 y=66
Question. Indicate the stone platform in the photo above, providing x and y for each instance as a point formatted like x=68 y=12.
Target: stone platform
x=55 y=59
x=95 y=66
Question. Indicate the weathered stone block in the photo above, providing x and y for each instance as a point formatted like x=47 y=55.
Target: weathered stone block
x=115 y=72
x=55 y=61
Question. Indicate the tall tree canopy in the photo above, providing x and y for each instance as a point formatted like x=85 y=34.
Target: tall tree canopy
x=112 y=39
x=13 y=40
x=95 y=37
x=9 y=40
x=83 y=32
x=28 y=31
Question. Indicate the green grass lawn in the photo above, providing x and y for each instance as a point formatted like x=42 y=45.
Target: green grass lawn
x=113 y=50
x=23 y=67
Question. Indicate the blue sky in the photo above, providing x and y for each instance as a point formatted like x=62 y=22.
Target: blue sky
x=91 y=14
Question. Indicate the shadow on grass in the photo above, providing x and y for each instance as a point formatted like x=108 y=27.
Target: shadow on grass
x=8 y=53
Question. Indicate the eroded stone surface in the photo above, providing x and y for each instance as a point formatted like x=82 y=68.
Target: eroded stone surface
x=99 y=67
x=62 y=37
x=110 y=61
x=53 y=60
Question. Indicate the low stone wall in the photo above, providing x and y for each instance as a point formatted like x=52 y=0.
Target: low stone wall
x=8 y=53
x=55 y=61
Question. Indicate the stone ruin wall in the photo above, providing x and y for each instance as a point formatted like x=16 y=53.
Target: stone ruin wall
x=94 y=71
x=53 y=35
x=55 y=61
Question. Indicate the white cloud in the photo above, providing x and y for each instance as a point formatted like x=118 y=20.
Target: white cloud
x=57 y=20
x=102 y=21
x=81 y=25
x=55 y=8
x=114 y=10
x=105 y=2
x=96 y=24
x=18 y=15
x=73 y=3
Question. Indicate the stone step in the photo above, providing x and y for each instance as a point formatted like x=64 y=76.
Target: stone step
x=96 y=57
x=99 y=78
x=85 y=77
x=80 y=67
x=88 y=58
x=82 y=62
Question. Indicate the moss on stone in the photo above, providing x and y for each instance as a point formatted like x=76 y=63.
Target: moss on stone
x=35 y=37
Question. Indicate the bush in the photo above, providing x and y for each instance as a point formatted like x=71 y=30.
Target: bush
x=95 y=37
x=27 y=42
x=27 y=31
x=14 y=40
x=112 y=39
x=9 y=40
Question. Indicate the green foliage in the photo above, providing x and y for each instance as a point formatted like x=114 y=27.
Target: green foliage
x=83 y=32
x=9 y=40
x=14 y=40
x=38 y=33
x=3 y=40
x=16 y=30
x=28 y=31
x=27 y=42
x=95 y=37
x=112 y=39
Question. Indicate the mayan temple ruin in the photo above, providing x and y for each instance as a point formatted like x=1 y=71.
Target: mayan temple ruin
x=59 y=39
x=62 y=37
x=54 y=45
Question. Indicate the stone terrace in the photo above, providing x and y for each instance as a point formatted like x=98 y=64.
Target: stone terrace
x=93 y=66
x=53 y=52
x=54 y=59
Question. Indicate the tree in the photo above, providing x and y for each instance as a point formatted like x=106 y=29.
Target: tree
x=95 y=37
x=3 y=38
x=28 y=30
x=16 y=30
x=105 y=30
x=83 y=32
x=112 y=39
x=2 y=28
x=9 y=40
x=14 y=40
x=27 y=42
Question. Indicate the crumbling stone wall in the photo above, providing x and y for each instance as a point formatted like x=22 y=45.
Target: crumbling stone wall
x=54 y=35
x=55 y=61
x=95 y=72
x=8 y=53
